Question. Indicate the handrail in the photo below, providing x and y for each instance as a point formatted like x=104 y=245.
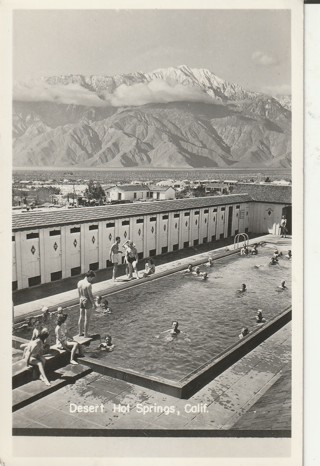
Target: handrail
x=237 y=240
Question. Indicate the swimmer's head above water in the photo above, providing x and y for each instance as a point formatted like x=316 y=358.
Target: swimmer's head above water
x=174 y=328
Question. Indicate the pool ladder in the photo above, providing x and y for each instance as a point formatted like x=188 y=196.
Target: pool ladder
x=237 y=240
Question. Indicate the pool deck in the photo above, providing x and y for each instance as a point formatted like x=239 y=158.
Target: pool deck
x=104 y=287
x=252 y=395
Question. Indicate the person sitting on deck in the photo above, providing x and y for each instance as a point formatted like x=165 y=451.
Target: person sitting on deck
x=34 y=354
x=107 y=345
x=244 y=251
x=37 y=327
x=259 y=318
x=62 y=340
x=150 y=268
x=244 y=333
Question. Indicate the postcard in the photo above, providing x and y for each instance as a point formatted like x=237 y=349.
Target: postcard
x=154 y=167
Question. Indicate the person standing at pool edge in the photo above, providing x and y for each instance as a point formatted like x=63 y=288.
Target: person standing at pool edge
x=115 y=257
x=86 y=302
x=283 y=227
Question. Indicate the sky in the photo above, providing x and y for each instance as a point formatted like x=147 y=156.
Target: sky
x=247 y=47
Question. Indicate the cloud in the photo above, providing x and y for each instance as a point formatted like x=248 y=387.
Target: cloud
x=155 y=91
x=263 y=59
x=281 y=89
x=39 y=91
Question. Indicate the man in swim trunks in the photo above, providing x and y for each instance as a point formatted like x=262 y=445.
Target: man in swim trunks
x=86 y=302
x=132 y=258
x=115 y=257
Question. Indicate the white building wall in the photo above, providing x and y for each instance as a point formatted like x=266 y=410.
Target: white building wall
x=175 y=228
x=14 y=263
x=36 y=253
x=30 y=257
x=72 y=248
x=265 y=218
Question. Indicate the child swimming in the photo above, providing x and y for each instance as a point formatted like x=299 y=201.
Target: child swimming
x=243 y=288
x=244 y=333
x=189 y=269
x=259 y=318
x=107 y=345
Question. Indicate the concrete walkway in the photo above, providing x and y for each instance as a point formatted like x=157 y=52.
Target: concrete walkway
x=70 y=297
x=220 y=405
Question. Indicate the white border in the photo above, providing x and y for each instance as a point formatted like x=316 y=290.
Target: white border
x=242 y=451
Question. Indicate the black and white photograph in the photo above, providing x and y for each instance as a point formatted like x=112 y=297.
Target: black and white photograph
x=156 y=206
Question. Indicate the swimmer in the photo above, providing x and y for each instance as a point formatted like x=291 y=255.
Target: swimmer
x=204 y=276
x=244 y=333
x=243 y=288
x=289 y=255
x=283 y=285
x=59 y=311
x=259 y=318
x=254 y=250
x=45 y=314
x=274 y=261
x=277 y=254
x=244 y=251
x=196 y=271
x=102 y=305
x=210 y=262
x=174 y=328
x=107 y=345
x=105 y=307
x=189 y=269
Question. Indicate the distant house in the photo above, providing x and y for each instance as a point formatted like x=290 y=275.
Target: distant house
x=162 y=192
x=127 y=192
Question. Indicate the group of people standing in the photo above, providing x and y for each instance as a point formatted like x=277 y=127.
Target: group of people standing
x=131 y=258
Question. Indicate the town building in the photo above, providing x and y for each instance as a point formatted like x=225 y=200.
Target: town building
x=129 y=192
x=162 y=192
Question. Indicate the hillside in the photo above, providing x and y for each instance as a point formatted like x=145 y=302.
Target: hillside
x=175 y=118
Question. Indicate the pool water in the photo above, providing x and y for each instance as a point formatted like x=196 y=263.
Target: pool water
x=211 y=315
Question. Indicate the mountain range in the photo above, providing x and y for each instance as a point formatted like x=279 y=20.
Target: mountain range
x=170 y=118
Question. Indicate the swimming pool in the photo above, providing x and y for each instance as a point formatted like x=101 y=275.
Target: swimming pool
x=210 y=313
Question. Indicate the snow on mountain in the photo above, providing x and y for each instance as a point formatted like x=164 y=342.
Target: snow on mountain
x=174 y=117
